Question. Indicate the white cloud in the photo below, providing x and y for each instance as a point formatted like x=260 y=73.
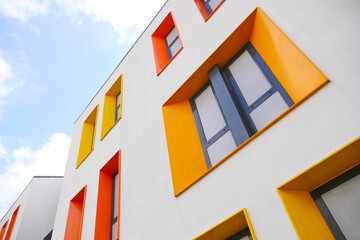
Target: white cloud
x=8 y=82
x=128 y=18
x=23 y=9
x=24 y=163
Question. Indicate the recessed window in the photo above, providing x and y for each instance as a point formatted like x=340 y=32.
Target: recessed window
x=73 y=229
x=339 y=203
x=166 y=43
x=88 y=134
x=236 y=227
x=208 y=7
x=108 y=200
x=114 y=206
x=112 y=111
x=239 y=100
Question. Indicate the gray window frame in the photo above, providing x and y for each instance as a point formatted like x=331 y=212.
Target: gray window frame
x=168 y=45
x=233 y=105
x=113 y=219
x=320 y=203
x=117 y=106
x=207 y=6
x=243 y=233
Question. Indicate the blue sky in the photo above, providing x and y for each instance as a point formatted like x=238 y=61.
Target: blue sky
x=54 y=56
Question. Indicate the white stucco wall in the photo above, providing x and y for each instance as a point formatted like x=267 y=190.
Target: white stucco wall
x=326 y=31
x=38 y=208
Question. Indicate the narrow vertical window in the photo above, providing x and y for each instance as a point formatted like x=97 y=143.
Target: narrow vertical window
x=173 y=44
x=118 y=104
x=114 y=205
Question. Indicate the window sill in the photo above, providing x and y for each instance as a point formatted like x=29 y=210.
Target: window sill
x=163 y=68
x=251 y=138
x=110 y=129
x=84 y=159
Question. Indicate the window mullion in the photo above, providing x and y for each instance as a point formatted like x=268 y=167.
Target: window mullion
x=201 y=132
x=228 y=107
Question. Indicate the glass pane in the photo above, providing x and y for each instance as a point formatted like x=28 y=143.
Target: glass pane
x=214 y=3
x=117 y=114
x=175 y=47
x=211 y=117
x=222 y=147
x=343 y=202
x=116 y=195
x=171 y=36
x=268 y=110
x=250 y=79
x=244 y=238
x=118 y=100
x=114 y=231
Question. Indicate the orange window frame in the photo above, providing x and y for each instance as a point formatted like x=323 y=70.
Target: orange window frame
x=75 y=216
x=296 y=73
x=159 y=46
x=103 y=208
x=12 y=223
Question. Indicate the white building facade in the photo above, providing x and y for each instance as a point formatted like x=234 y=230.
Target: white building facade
x=226 y=120
x=33 y=213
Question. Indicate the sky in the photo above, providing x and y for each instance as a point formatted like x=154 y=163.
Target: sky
x=54 y=56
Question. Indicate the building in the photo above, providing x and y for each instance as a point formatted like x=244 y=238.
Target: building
x=227 y=119
x=33 y=213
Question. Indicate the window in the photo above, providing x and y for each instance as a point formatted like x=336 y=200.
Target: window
x=173 y=44
x=338 y=202
x=243 y=114
x=112 y=111
x=88 y=134
x=323 y=201
x=118 y=105
x=114 y=206
x=48 y=236
x=236 y=227
x=237 y=102
x=166 y=43
x=208 y=7
x=74 y=223
x=242 y=235
x=108 y=200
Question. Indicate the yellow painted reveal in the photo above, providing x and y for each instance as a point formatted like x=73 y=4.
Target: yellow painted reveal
x=296 y=73
x=300 y=206
x=108 y=120
x=88 y=134
x=185 y=153
x=234 y=224
x=293 y=69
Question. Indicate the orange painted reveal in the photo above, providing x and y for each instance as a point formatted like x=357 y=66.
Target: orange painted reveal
x=3 y=229
x=294 y=70
x=159 y=45
x=103 y=209
x=296 y=73
x=186 y=156
x=12 y=223
x=75 y=216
